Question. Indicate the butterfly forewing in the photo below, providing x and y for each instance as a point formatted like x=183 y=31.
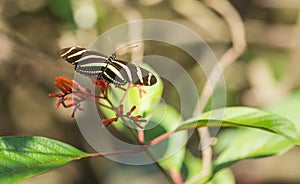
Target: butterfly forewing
x=72 y=54
x=91 y=64
x=113 y=75
x=95 y=64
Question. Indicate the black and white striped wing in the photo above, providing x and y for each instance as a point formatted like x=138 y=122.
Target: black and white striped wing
x=88 y=63
x=91 y=64
x=72 y=54
x=95 y=64
x=134 y=74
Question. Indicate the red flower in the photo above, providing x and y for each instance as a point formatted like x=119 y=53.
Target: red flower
x=71 y=87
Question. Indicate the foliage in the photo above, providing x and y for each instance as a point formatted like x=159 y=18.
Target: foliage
x=266 y=72
x=265 y=134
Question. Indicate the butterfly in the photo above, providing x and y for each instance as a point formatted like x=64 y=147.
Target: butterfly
x=97 y=65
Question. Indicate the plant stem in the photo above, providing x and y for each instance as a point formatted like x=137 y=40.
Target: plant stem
x=237 y=29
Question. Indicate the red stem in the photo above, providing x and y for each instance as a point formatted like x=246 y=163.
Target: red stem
x=176 y=176
x=125 y=93
x=95 y=155
x=141 y=135
x=160 y=138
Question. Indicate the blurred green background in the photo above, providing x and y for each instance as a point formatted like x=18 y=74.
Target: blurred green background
x=33 y=31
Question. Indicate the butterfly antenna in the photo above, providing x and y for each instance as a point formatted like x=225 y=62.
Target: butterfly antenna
x=109 y=41
x=125 y=49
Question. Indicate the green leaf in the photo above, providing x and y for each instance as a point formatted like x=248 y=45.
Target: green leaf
x=148 y=102
x=245 y=117
x=24 y=157
x=193 y=166
x=164 y=119
x=144 y=105
x=245 y=143
x=288 y=108
x=62 y=10
x=224 y=176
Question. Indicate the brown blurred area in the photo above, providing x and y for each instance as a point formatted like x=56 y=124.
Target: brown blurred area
x=33 y=31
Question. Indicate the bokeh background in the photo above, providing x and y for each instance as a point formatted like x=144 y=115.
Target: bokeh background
x=33 y=31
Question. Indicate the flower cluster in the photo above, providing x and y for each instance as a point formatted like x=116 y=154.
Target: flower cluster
x=72 y=94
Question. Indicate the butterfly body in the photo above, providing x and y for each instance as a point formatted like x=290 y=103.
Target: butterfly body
x=96 y=65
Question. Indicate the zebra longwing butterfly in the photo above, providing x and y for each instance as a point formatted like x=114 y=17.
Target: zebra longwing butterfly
x=96 y=65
